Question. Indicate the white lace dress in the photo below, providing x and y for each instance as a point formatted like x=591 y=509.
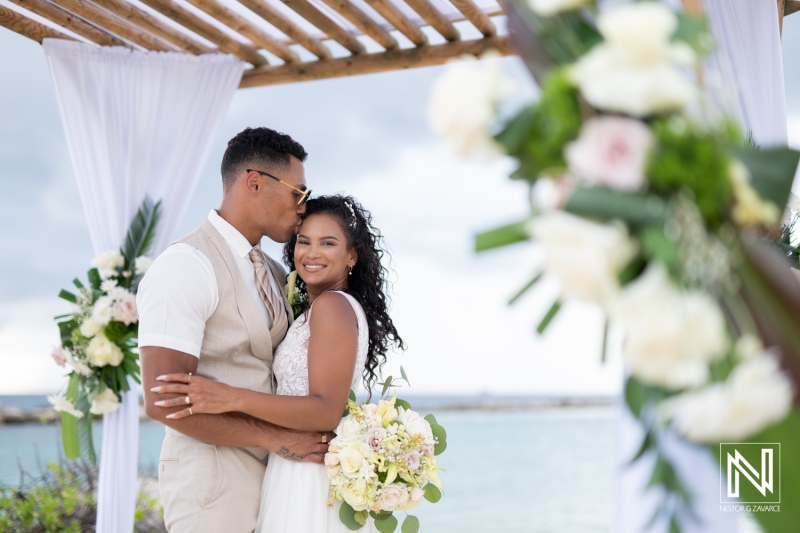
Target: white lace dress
x=294 y=495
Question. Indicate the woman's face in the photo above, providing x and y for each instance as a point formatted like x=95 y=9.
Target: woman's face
x=322 y=256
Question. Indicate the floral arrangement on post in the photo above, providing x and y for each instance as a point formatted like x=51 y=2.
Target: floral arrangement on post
x=383 y=460
x=99 y=339
x=649 y=204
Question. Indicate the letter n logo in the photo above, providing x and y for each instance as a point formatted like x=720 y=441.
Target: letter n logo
x=750 y=472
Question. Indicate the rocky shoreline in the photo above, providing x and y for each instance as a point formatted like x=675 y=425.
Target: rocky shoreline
x=11 y=414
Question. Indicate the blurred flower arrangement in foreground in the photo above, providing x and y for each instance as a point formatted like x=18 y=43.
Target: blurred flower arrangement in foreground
x=99 y=339
x=650 y=204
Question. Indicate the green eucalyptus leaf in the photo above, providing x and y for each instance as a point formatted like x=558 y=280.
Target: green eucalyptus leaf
x=402 y=403
x=403 y=374
x=361 y=517
x=502 y=236
x=431 y=419
x=347 y=517
x=381 y=515
x=386 y=384
x=387 y=524
x=441 y=439
x=432 y=493
x=410 y=524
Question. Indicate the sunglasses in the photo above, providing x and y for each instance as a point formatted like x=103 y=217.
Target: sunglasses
x=303 y=194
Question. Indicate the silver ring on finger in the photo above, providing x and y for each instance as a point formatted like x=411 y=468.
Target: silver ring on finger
x=188 y=401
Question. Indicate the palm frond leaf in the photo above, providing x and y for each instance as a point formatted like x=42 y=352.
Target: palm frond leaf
x=142 y=231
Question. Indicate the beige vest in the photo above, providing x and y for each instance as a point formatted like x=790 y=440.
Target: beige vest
x=237 y=344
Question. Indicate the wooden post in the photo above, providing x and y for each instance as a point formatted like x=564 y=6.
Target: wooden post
x=184 y=17
x=69 y=21
x=26 y=27
x=435 y=18
x=370 y=63
x=284 y=24
x=396 y=18
x=103 y=19
x=313 y=15
x=363 y=22
x=476 y=16
x=148 y=22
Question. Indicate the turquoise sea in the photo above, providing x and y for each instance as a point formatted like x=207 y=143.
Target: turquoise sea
x=546 y=470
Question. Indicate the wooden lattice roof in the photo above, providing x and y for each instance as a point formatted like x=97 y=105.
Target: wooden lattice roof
x=281 y=40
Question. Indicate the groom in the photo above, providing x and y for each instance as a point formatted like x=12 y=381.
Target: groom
x=213 y=305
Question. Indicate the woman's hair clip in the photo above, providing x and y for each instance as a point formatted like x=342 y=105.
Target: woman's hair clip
x=352 y=212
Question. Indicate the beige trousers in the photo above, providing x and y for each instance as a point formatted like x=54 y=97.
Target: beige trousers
x=207 y=488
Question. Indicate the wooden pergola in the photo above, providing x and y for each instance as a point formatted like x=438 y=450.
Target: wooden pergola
x=281 y=40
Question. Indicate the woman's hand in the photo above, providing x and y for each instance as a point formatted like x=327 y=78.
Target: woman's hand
x=199 y=395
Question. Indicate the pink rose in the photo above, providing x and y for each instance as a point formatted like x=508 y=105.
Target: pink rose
x=610 y=151
x=374 y=437
x=427 y=450
x=58 y=355
x=412 y=460
x=125 y=310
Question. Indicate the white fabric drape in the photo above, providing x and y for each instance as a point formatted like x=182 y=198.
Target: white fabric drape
x=136 y=123
x=745 y=78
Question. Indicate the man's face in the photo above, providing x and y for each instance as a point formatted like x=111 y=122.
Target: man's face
x=281 y=214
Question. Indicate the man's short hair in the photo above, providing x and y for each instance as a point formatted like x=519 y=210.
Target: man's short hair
x=259 y=148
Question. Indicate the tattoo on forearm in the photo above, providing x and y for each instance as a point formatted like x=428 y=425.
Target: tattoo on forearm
x=286 y=454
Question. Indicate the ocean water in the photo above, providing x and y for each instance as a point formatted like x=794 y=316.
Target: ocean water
x=506 y=471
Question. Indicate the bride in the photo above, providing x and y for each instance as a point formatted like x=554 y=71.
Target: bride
x=341 y=337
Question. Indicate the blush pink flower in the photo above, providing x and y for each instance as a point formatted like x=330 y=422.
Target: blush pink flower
x=58 y=355
x=610 y=151
x=125 y=310
x=412 y=460
x=374 y=437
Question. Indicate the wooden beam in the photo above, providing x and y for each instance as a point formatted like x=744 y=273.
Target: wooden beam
x=227 y=44
x=103 y=19
x=242 y=26
x=781 y=7
x=19 y=23
x=67 y=20
x=476 y=16
x=148 y=22
x=284 y=24
x=370 y=63
x=316 y=17
x=434 y=17
x=363 y=22
x=397 y=19
x=791 y=6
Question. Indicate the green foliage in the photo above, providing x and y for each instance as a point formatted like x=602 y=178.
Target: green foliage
x=439 y=433
x=548 y=317
x=536 y=137
x=63 y=500
x=347 y=515
x=142 y=231
x=432 y=493
x=688 y=157
x=386 y=524
x=607 y=204
x=772 y=172
x=410 y=524
x=525 y=289
x=502 y=236
x=656 y=245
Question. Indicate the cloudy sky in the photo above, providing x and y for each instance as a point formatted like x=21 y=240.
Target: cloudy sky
x=366 y=136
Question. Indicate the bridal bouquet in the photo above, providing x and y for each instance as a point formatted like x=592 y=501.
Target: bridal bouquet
x=382 y=460
x=99 y=338
x=650 y=203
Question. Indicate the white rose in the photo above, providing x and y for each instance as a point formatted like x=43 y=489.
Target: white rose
x=333 y=471
x=756 y=395
x=101 y=312
x=90 y=327
x=670 y=335
x=102 y=352
x=546 y=8
x=463 y=101
x=351 y=459
x=636 y=71
x=108 y=262
x=355 y=494
x=105 y=402
x=415 y=424
x=585 y=256
x=348 y=427
x=63 y=405
x=125 y=310
x=142 y=264
x=391 y=496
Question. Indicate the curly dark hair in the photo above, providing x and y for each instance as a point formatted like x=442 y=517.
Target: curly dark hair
x=368 y=283
x=258 y=147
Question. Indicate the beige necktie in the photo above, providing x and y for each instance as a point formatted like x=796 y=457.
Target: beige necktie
x=271 y=298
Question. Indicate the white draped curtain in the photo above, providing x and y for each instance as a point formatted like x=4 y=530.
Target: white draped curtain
x=136 y=123
x=745 y=78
